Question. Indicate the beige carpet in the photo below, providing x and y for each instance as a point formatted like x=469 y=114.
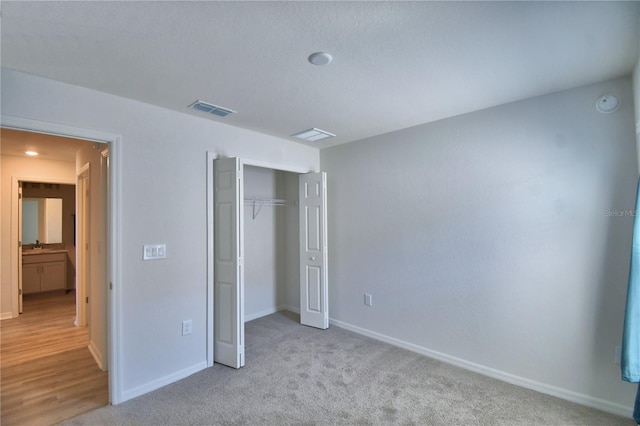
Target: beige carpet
x=300 y=375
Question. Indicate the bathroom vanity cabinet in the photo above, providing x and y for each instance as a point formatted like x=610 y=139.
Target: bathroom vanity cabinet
x=44 y=271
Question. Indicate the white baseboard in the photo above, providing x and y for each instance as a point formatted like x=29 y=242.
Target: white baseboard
x=266 y=312
x=293 y=309
x=260 y=314
x=97 y=356
x=6 y=315
x=163 y=381
x=578 y=398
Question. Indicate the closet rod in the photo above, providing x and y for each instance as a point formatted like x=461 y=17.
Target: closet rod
x=266 y=201
x=261 y=202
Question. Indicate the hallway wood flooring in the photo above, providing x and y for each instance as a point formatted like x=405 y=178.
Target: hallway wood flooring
x=47 y=373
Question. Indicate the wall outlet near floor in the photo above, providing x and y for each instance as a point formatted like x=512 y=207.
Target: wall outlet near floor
x=617 y=355
x=367 y=299
x=187 y=327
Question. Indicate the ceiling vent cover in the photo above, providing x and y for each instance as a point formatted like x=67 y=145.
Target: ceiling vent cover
x=211 y=108
x=313 y=135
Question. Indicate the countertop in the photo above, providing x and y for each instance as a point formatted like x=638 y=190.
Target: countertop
x=32 y=252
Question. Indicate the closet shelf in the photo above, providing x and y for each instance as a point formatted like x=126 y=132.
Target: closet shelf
x=265 y=201
x=261 y=202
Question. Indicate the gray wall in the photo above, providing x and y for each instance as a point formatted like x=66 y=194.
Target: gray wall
x=161 y=200
x=493 y=240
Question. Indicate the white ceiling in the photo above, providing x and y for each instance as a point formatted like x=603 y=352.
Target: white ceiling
x=396 y=64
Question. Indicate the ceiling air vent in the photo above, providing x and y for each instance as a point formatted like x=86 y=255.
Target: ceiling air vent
x=313 y=135
x=211 y=108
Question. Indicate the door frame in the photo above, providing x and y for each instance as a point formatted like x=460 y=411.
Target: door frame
x=15 y=232
x=210 y=234
x=114 y=241
x=16 y=206
x=20 y=240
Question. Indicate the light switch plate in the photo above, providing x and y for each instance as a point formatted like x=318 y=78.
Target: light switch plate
x=154 y=251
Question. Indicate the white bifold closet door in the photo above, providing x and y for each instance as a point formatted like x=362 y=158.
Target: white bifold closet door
x=228 y=263
x=228 y=200
x=314 y=292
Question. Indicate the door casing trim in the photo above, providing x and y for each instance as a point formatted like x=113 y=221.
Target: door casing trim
x=114 y=224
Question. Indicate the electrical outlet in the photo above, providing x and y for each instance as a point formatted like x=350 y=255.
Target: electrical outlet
x=367 y=300
x=617 y=355
x=187 y=327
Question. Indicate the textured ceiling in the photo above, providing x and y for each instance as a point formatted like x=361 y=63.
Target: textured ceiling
x=396 y=64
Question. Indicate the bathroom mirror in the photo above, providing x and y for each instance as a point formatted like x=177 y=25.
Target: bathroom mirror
x=41 y=220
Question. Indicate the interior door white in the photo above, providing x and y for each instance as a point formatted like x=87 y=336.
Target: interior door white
x=228 y=262
x=83 y=261
x=19 y=247
x=314 y=292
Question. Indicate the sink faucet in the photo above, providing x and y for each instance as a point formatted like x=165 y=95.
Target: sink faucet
x=37 y=244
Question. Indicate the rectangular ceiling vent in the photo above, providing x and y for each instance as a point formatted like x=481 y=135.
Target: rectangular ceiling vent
x=211 y=108
x=313 y=135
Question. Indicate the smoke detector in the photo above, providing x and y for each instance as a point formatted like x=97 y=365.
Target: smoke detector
x=608 y=104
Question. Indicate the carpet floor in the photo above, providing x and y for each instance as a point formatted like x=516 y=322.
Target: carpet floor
x=299 y=375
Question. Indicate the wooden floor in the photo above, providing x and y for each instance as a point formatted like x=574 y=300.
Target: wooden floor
x=47 y=373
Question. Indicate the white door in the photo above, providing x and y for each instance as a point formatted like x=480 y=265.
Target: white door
x=314 y=292
x=19 y=247
x=228 y=262
x=82 y=246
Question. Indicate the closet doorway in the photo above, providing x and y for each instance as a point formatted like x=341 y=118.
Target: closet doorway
x=270 y=241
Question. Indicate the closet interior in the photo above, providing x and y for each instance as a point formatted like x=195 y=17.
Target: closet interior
x=271 y=241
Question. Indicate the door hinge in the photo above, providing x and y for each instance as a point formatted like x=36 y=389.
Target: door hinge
x=19 y=292
x=87 y=299
x=19 y=243
x=19 y=196
x=110 y=286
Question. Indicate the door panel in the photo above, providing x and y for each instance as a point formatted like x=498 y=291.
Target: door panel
x=313 y=221
x=31 y=278
x=314 y=289
x=54 y=276
x=314 y=307
x=228 y=263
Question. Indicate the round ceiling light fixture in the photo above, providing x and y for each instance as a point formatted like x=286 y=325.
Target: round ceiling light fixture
x=608 y=104
x=320 y=58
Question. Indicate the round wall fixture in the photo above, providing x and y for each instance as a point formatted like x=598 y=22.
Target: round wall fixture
x=608 y=104
x=320 y=58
